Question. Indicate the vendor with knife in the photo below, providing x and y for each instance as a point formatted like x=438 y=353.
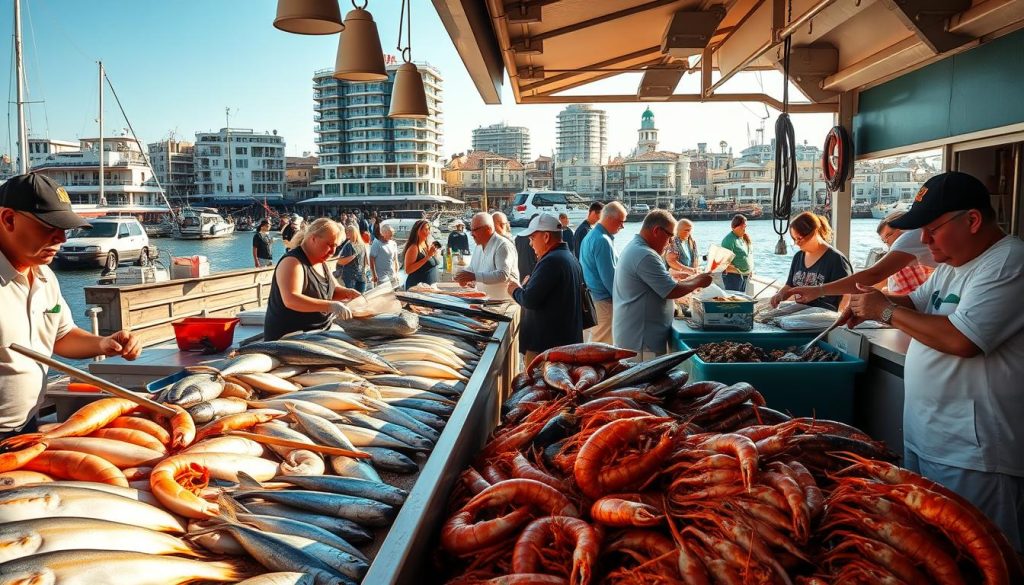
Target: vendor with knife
x=34 y=213
x=304 y=294
x=965 y=363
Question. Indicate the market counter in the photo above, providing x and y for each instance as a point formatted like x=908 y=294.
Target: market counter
x=878 y=396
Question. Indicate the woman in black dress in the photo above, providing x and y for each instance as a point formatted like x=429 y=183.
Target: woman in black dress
x=422 y=256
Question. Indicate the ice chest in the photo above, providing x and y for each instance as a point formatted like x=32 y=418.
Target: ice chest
x=190 y=267
x=210 y=334
x=818 y=389
x=712 y=315
x=140 y=275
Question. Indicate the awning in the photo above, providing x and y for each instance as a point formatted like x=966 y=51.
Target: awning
x=362 y=200
x=237 y=201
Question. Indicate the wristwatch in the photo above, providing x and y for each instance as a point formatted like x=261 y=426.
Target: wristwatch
x=887 y=313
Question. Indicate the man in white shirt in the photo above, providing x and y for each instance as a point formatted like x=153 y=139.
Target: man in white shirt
x=963 y=373
x=34 y=213
x=384 y=257
x=494 y=262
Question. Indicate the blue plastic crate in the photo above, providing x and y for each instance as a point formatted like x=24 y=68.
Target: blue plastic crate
x=821 y=389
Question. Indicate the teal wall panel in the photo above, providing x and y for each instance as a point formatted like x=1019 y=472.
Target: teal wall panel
x=977 y=90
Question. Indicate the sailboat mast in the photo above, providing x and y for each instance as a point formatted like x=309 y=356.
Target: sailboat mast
x=102 y=198
x=22 y=129
x=227 y=141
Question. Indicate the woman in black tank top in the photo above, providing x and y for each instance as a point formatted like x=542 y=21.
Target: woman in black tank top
x=304 y=294
x=421 y=256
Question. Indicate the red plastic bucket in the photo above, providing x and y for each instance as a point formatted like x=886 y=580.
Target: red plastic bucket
x=211 y=334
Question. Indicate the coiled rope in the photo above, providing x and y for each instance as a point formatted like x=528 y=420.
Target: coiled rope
x=786 y=177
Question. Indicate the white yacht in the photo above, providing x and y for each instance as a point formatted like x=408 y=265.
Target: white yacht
x=882 y=210
x=402 y=220
x=201 y=223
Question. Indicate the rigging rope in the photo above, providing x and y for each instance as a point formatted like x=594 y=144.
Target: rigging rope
x=786 y=177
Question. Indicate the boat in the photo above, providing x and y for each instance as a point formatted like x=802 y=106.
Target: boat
x=882 y=210
x=202 y=223
x=159 y=229
x=402 y=220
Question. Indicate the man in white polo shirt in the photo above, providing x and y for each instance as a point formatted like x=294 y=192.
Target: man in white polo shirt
x=34 y=212
x=494 y=262
x=963 y=373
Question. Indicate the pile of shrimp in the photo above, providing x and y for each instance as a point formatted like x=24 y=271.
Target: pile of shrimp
x=668 y=482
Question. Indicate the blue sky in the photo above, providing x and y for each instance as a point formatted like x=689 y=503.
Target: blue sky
x=177 y=64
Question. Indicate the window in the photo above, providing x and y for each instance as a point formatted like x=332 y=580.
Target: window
x=134 y=229
x=241 y=150
x=122 y=232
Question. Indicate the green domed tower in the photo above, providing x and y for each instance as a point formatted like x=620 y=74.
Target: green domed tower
x=648 y=140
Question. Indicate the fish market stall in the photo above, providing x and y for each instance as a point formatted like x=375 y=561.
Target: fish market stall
x=329 y=453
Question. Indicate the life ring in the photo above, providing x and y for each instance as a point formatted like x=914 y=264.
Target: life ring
x=836 y=158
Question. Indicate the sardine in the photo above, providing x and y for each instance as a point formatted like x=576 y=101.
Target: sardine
x=344 y=563
x=53 y=501
x=363 y=511
x=363 y=437
x=449 y=303
x=209 y=410
x=428 y=418
x=403 y=434
x=429 y=370
x=440 y=325
x=194 y=388
x=280 y=579
x=401 y=324
x=281 y=432
x=346 y=529
x=444 y=387
x=248 y=363
x=298 y=353
x=325 y=433
x=640 y=373
x=42 y=535
x=89 y=567
x=391 y=460
x=394 y=415
x=350 y=486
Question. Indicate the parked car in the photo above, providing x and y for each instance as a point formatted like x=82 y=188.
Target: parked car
x=111 y=242
x=528 y=204
x=641 y=208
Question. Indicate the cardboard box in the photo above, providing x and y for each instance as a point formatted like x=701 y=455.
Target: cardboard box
x=190 y=267
x=712 y=315
x=140 y=275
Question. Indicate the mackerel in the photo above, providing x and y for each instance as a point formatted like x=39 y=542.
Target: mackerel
x=440 y=325
x=346 y=529
x=395 y=415
x=427 y=418
x=403 y=434
x=324 y=432
x=641 y=373
x=391 y=460
x=417 y=383
x=350 y=486
x=298 y=353
x=360 y=510
x=363 y=437
x=390 y=393
x=401 y=324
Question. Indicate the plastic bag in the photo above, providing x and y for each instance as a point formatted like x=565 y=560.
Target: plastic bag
x=719 y=258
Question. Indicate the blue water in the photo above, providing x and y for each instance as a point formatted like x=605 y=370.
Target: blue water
x=235 y=251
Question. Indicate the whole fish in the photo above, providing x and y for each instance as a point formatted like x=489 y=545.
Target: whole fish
x=346 y=529
x=429 y=370
x=332 y=333
x=138 y=495
x=428 y=418
x=227 y=444
x=368 y=361
x=298 y=353
x=449 y=303
x=209 y=410
x=363 y=511
x=409 y=437
x=440 y=325
x=350 y=387
x=281 y=432
x=391 y=460
x=350 y=486
x=363 y=437
x=327 y=377
x=640 y=373
x=194 y=388
x=385 y=325
x=408 y=353
x=280 y=579
x=452 y=342
x=443 y=387
x=119 y=453
x=53 y=501
x=304 y=406
x=288 y=372
x=248 y=363
x=430 y=343
x=336 y=401
x=394 y=415
x=42 y=535
x=277 y=555
x=325 y=433
x=467 y=321
x=268 y=383
x=90 y=567
x=393 y=393
x=440 y=409
x=295 y=528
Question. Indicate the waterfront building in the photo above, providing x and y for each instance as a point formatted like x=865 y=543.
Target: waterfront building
x=538 y=173
x=508 y=141
x=368 y=158
x=476 y=172
x=582 y=139
x=300 y=174
x=614 y=181
x=127 y=179
x=651 y=176
x=174 y=166
x=237 y=166
x=764 y=153
x=41 y=149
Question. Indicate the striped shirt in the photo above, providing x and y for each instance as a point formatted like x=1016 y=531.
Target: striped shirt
x=908 y=279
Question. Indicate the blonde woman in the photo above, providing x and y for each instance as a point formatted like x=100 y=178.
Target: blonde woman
x=352 y=260
x=304 y=294
x=681 y=253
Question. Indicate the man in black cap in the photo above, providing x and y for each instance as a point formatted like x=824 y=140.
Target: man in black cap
x=965 y=365
x=34 y=212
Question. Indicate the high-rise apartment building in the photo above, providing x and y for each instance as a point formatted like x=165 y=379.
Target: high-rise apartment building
x=237 y=165
x=582 y=139
x=174 y=166
x=504 y=140
x=363 y=153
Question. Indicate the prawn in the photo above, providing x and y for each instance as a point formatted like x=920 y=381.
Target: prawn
x=142 y=424
x=603 y=447
x=526 y=555
x=582 y=354
x=133 y=436
x=77 y=466
x=618 y=511
x=15 y=460
x=85 y=420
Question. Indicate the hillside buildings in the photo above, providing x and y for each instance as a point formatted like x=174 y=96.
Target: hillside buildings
x=235 y=166
x=582 y=142
x=504 y=140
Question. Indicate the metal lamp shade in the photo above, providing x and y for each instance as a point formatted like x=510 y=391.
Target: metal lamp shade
x=309 y=17
x=359 y=55
x=408 y=99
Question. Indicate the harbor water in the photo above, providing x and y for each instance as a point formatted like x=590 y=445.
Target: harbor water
x=234 y=252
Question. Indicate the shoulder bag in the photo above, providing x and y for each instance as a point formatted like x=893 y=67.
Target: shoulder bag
x=587 y=304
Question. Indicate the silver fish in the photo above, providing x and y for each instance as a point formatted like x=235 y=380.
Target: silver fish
x=440 y=325
x=52 y=501
x=432 y=406
x=444 y=387
x=247 y=363
x=327 y=377
x=280 y=579
x=411 y=438
x=281 y=432
x=42 y=535
x=389 y=393
x=325 y=433
x=640 y=373
x=391 y=460
x=350 y=486
x=288 y=372
x=363 y=437
x=360 y=510
x=194 y=388
x=394 y=415
x=346 y=529
x=386 y=325
x=89 y=567
x=427 y=418
x=369 y=361
x=209 y=410
x=299 y=353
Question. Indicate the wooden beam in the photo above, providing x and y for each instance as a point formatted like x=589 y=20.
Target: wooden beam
x=799 y=108
x=642 y=53
x=590 y=80
x=600 y=20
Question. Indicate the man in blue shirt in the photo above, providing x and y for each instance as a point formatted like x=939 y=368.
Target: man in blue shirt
x=644 y=289
x=552 y=312
x=598 y=258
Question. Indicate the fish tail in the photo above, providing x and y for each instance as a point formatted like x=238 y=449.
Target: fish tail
x=247 y=481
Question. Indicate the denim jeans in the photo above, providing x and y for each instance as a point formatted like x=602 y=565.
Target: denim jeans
x=736 y=282
x=359 y=285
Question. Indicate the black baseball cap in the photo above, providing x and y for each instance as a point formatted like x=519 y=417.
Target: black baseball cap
x=42 y=197
x=953 y=191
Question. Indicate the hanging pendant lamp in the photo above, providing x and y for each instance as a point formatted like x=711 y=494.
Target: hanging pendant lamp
x=408 y=98
x=359 y=54
x=309 y=17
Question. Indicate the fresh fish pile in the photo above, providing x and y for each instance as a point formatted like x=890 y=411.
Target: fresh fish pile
x=300 y=436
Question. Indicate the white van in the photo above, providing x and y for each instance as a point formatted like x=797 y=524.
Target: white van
x=111 y=242
x=528 y=204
